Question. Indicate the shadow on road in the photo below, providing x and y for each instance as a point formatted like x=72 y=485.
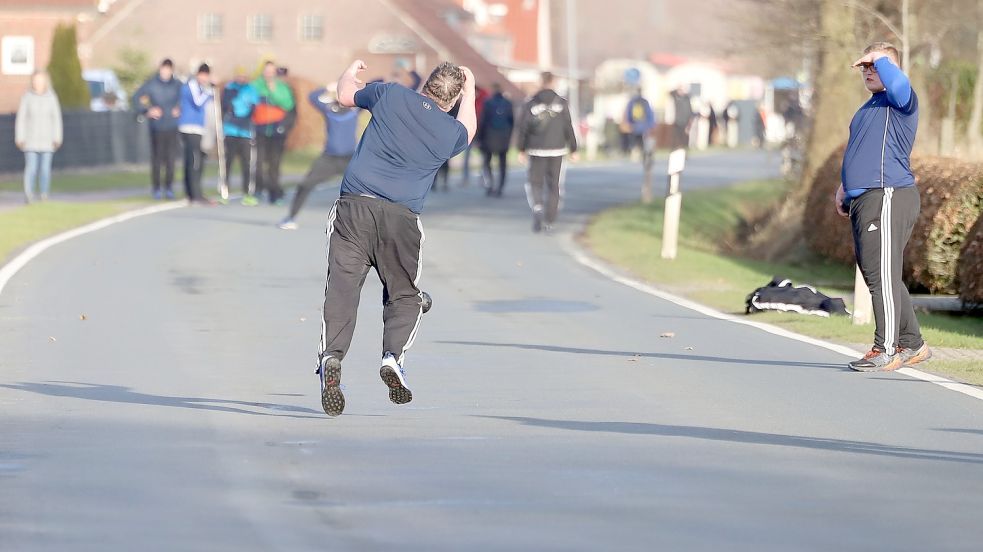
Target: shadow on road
x=635 y=354
x=125 y=395
x=750 y=437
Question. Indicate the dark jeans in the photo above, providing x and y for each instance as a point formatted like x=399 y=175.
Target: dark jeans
x=238 y=148
x=487 y=170
x=194 y=164
x=269 y=152
x=324 y=168
x=163 y=145
x=882 y=220
x=543 y=190
x=366 y=233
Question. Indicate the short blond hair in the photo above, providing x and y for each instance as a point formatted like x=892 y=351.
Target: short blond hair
x=885 y=48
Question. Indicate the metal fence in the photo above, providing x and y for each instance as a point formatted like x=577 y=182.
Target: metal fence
x=90 y=140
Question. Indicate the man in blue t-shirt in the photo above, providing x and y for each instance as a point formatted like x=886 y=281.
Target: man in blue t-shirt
x=341 y=127
x=376 y=223
x=879 y=196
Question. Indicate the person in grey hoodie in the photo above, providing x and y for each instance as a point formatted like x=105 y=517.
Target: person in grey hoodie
x=159 y=100
x=38 y=133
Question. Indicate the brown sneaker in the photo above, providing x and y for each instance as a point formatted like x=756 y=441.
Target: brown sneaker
x=911 y=357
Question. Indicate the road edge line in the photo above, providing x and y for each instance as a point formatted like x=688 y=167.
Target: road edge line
x=603 y=268
x=12 y=267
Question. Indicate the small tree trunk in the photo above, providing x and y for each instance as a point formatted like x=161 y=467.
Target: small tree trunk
x=973 y=136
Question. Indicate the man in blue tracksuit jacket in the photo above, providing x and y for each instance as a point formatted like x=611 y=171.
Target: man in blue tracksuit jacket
x=196 y=100
x=879 y=196
x=341 y=127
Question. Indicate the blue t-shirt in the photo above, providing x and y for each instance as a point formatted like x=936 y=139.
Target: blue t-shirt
x=407 y=140
x=340 y=125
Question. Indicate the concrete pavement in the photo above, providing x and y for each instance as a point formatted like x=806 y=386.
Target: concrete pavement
x=182 y=413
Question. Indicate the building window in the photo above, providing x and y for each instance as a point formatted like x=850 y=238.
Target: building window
x=260 y=28
x=311 y=28
x=210 y=27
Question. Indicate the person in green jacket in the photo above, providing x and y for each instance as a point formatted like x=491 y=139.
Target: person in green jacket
x=273 y=117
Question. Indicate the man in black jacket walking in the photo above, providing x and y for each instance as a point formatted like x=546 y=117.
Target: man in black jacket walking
x=545 y=136
x=495 y=137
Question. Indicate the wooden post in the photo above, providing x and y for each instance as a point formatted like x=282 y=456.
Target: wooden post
x=648 y=160
x=674 y=202
x=862 y=307
x=223 y=179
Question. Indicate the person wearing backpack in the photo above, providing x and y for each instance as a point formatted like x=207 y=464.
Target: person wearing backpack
x=494 y=137
x=274 y=103
x=238 y=100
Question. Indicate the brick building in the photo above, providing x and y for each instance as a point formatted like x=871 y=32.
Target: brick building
x=26 y=28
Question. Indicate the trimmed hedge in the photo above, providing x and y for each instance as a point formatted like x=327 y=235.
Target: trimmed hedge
x=970 y=269
x=951 y=197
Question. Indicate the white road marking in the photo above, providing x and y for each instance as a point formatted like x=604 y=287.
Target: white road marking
x=606 y=271
x=20 y=261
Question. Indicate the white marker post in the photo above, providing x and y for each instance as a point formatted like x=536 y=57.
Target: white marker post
x=223 y=179
x=674 y=202
x=863 y=308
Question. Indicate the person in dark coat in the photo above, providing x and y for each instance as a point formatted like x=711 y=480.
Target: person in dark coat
x=495 y=136
x=159 y=100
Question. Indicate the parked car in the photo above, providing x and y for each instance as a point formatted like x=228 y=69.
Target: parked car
x=106 y=92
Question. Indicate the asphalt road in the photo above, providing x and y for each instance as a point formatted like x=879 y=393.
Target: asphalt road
x=182 y=413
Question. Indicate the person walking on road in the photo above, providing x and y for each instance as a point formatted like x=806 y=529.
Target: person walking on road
x=545 y=135
x=376 y=221
x=38 y=133
x=159 y=99
x=238 y=100
x=341 y=127
x=494 y=138
x=879 y=195
x=275 y=102
x=196 y=102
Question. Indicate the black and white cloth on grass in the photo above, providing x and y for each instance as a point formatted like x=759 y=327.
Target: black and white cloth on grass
x=781 y=295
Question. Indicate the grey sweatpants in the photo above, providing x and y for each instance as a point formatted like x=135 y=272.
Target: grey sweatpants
x=364 y=233
x=882 y=220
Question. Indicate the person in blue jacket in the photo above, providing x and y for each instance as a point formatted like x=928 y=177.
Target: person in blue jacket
x=238 y=100
x=196 y=100
x=159 y=100
x=341 y=127
x=879 y=196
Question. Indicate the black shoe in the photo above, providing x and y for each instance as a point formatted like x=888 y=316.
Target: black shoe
x=394 y=377
x=425 y=301
x=332 y=399
x=537 y=221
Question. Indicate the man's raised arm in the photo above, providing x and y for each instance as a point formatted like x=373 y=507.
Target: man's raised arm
x=466 y=114
x=349 y=83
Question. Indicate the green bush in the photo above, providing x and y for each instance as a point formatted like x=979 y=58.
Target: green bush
x=65 y=69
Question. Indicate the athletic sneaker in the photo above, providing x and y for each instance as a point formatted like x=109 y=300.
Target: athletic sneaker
x=287 y=224
x=911 y=357
x=169 y=194
x=394 y=377
x=876 y=361
x=157 y=194
x=537 y=221
x=250 y=201
x=332 y=399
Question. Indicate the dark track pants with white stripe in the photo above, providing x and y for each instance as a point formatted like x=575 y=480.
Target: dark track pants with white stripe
x=544 y=189
x=882 y=219
x=364 y=233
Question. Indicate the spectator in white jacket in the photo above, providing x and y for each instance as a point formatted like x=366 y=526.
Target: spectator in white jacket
x=38 y=133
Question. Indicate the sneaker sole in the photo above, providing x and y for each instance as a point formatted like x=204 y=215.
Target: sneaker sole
x=332 y=399
x=894 y=365
x=398 y=393
x=919 y=358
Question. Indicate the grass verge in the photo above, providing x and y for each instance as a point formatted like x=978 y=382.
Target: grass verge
x=630 y=236
x=30 y=223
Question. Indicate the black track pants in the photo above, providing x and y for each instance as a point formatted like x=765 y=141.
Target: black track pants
x=366 y=233
x=544 y=187
x=324 y=168
x=237 y=147
x=882 y=220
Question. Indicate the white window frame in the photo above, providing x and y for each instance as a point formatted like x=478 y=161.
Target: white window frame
x=303 y=27
x=206 y=22
x=252 y=27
